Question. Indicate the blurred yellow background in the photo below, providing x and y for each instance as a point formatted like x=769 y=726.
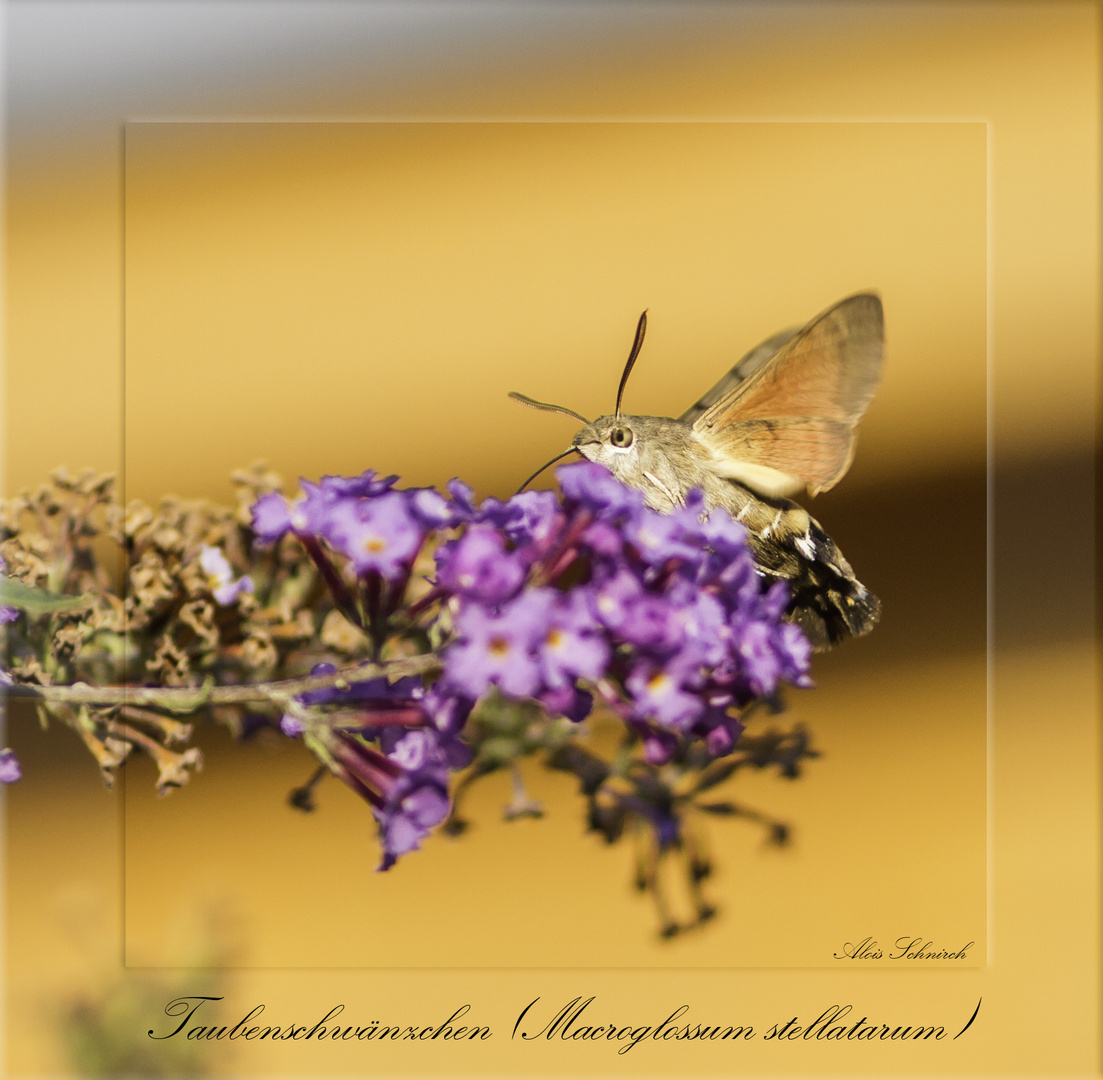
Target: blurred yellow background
x=326 y=296
x=342 y=296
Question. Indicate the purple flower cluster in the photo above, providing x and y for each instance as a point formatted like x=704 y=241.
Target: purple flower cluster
x=378 y=529
x=405 y=778
x=664 y=615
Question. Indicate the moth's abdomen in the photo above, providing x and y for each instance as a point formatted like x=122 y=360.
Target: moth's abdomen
x=827 y=601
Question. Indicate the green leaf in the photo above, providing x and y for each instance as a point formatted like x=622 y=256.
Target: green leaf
x=15 y=594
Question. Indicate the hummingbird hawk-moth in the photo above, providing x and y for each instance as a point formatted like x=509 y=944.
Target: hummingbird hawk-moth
x=782 y=420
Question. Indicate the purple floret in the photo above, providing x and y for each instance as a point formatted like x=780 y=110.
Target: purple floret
x=271 y=516
x=795 y=651
x=377 y=693
x=761 y=663
x=658 y=537
x=417 y=800
x=498 y=649
x=658 y=694
x=569 y=701
x=9 y=767
x=220 y=575
x=463 y=500
x=404 y=825
x=380 y=534
x=478 y=567
x=429 y=508
x=447 y=711
x=653 y=625
x=528 y=519
x=595 y=488
x=228 y=593
x=367 y=485
x=573 y=646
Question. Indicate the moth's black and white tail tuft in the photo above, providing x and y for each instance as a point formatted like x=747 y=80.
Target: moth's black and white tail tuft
x=828 y=602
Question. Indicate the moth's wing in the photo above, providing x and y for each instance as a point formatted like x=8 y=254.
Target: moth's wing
x=795 y=416
x=743 y=369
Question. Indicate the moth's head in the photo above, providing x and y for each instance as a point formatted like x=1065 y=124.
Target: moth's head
x=611 y=441
x=636 y=449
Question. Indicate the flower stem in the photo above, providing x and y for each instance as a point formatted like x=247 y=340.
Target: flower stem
x=338 y=589
x=192 y=698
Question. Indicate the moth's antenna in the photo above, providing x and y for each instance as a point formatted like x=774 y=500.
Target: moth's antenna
x=641 y=329
x=545 y=406
x=558 y=457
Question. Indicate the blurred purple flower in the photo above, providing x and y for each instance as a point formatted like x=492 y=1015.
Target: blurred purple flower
x=429 y=508
x=603 y=539
x=573 y=646
x=220 y=576
x=658 y=694
x=722 y=735
x=498 y=649
x=659 y=537
x=702 y=621
x=404 y=825
x=367 y=485
x=417 y=799
x=569 y=701
x=463 y=500
x=447 y=712
x=478 y=567
x=378 y=534
x=9 y=767
x=271 y=516
x=594 y=487
x=413 y=750
x=614 y=598
x=795 y=651
x=377 y=693
x=761 y=663
x=653 y=624
x=658 y=746
x=528 y=519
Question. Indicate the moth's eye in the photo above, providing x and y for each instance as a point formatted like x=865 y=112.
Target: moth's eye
x=621 y=437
